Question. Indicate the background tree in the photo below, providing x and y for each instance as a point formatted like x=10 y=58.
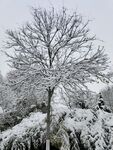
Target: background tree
x=76 y=98
x=55 y=49
x=27 y=90
x=7 y=96
x=107 y=94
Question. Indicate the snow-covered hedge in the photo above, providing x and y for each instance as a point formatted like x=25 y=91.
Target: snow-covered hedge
x=79 y=129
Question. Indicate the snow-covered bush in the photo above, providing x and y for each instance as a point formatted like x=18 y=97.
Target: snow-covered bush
x=79 y=129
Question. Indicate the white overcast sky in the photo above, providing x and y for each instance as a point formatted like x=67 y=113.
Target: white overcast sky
x=14 y=13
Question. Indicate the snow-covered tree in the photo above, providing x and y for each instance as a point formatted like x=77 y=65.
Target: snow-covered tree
x=27 y=93
x=55 y=49
x=1 y=78
x=78 y=98
x=108 y=96
x=7 y=96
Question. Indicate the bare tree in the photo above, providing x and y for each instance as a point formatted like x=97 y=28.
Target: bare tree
x=55 y=49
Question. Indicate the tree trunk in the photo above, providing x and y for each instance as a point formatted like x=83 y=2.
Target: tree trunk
x=50 y=93
x=47 y=144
